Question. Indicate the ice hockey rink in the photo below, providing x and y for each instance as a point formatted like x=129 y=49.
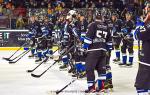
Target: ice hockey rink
x=14 y=80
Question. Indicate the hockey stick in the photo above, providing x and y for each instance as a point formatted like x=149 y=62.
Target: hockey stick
x=8 y=59
x=18 y=56
x=10 y=62
x=72 y=66
x=37 y=76
x=61 y=90
x=39 y=64
x=57 y=92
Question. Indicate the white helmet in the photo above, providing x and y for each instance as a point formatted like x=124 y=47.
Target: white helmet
x=71 y=13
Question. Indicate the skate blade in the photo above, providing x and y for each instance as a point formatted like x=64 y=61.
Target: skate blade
x=63 y=69
x=97 y=93
x=59 y=63
x=38 y=62
x=116 y=62
x=129 y=66
x=122 y=66
x=79 y=78
x=82 y=78
x=91 y=94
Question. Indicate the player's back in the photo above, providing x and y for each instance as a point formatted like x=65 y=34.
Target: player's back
x=98 y=32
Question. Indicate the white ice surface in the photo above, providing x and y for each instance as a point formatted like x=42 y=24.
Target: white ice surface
x=14 y=80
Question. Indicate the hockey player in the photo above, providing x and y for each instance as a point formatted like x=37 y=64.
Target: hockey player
x=114 y=25
x=116 y=33
x=67 y=39
x=45 y=42
x=95 y=42
x=35 y=32
x=64 y=44
x=80 y=55
x=78 y=28
x=142 y=83
x=127 y=40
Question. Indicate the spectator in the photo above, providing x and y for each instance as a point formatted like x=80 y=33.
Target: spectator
x=58 y=8
x=50 y=11
x=9 y=8
x=20 y=23
x=21 y=10
x=1 y=1
x=1 y=10
x=91 y=4
x=98 y=4
x=76 y=4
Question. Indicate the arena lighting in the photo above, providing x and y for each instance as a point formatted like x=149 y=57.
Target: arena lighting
x=14 y=31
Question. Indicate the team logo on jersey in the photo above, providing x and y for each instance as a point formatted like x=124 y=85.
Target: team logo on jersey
x=142 y=29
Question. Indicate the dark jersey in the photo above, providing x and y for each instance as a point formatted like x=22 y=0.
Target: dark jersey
x=84 y=25
x=115 y=27
x=67 y=35
x=144 y=36
x=76 y=28
x=98 y=36
x=35 y=29
x=48 y=28
x=128 y=26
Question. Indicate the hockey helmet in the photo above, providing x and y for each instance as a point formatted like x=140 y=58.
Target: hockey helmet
x=115 y=14
x=71 y=14
x=98 y=14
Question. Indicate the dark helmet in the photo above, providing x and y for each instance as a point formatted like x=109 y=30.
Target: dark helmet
x=129 y=13
x=98 y=14
x=115 y=14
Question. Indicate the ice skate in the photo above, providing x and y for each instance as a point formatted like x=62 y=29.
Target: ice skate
x=64 y=67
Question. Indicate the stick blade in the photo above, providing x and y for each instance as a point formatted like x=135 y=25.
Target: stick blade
x=36 y=76
x=7 y=59
x=57 y=92
x=11 y=62
x=29 y=71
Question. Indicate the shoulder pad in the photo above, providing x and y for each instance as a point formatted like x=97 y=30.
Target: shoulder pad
x=148 y=25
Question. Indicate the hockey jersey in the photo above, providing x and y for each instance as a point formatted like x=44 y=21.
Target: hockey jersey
x=35 y=29
x=127 y=29
x=98 y=36
x=115 y=27
x=144 y=36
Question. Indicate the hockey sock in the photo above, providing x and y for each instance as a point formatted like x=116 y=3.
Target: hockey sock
x=131 y=58
x=48 y=53
x=33 y=51
x=108 y=75
x=79 y=67
x=142 y=92
x=100 y=81
x=90 y=85
x=124 y=58
x=39 y=55
x=118 y=54
x=65 y=59
x=83 y=68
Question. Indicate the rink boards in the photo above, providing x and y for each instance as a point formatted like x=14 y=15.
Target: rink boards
x=17 y=37
x=54 y=48
x=16 y=48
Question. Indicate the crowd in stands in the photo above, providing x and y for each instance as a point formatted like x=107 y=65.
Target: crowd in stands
x=18 y=9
